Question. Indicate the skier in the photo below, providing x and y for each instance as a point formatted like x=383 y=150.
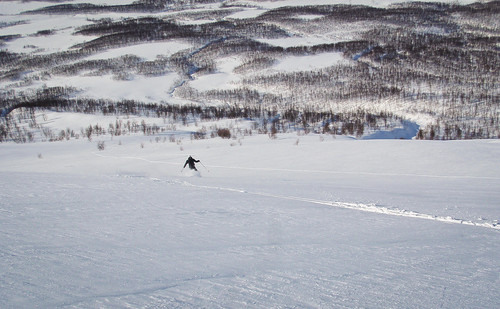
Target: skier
x=191 y=162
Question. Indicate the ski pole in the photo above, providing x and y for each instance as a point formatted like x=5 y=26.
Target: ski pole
x=205 y=167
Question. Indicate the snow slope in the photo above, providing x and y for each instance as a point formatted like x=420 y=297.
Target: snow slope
x=297 y=221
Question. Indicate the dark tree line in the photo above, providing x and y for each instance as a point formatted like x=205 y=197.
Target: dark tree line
x=266 y=121
x=137 y=6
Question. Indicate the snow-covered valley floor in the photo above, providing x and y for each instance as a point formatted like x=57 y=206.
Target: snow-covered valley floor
x=297 y=221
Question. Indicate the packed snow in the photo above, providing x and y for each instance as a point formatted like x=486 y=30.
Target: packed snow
x=297 y=221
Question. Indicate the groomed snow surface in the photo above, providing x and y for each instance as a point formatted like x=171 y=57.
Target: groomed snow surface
x=298 y=221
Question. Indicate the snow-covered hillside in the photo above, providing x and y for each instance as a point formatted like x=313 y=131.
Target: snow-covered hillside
x=431 y=63
x=295 y=221
x=313 y=190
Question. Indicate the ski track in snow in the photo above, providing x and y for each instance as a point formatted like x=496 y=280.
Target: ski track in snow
x=373 y=208
x=357 y=206
x=139 y=292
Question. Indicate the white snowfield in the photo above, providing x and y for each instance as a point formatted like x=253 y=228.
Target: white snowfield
x=292 y=222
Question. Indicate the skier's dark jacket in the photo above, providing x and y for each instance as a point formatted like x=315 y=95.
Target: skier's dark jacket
x=191 y=162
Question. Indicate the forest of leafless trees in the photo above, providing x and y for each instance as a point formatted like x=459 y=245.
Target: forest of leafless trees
x=438 y=60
